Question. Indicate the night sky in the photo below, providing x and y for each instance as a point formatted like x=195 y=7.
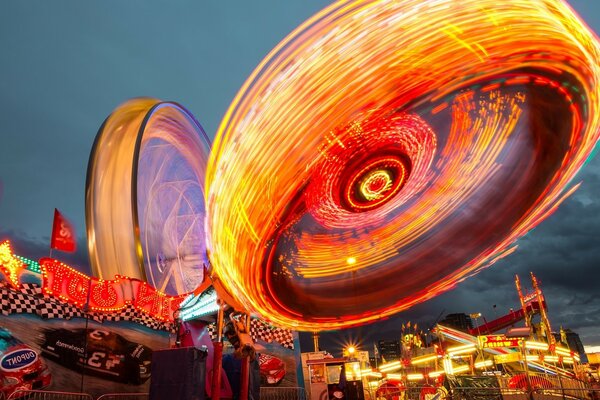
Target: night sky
x=66 y=65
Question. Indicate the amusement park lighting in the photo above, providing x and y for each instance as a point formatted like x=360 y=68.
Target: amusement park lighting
x=576 y=357
x=394 y=365
x=465 y=349
x=10 y=266
x=366 y=371
x=414 y=377
x=532 y=357
x=568 y=360
x=351 y=350
x=435 y=374
x=424 y=359
x=373 y=384
x=204 y=306
x=551 y=359
x=463 y=368
x=375 y=374
x=448 y=368
x=561 y=351
x=529 y=344
x=483 y=364
x=351 y=260
x=394 y=376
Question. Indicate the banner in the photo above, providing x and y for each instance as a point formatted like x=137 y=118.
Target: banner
x=63 y=234
x=497 y=341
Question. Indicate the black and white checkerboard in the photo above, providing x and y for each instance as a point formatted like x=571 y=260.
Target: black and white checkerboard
x=29 y=299
x=260 y=330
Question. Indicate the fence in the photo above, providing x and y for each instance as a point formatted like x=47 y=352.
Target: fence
x=489 y=393
x=49 y=395
x=124 y=396
x=283 y=393
x=410 y=393
x=566 y=394
x=45 y=395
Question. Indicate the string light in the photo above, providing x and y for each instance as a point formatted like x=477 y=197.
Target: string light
x=198 y=306
x=72 y=286
x=10 y=265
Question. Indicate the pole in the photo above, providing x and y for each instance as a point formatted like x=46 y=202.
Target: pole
x=316 y=340
x=528 y=380
x=218 y=354
x=245 y=372
x=479 y=342
x=562 y=388
x=85 y=340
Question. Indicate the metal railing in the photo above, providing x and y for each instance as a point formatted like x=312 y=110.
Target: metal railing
x=283 y=393
x=47 y=395
x=489 y=393
x=410 y=393
x=566 y=393
x=124 y=396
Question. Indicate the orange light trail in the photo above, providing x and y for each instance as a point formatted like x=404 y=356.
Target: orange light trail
x=419 y=139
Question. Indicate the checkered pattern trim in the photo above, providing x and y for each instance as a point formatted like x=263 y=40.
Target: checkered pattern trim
x=21 y=303
x=260 y=330
x=16 y=302
x=211 y=329
x=284 y=337
x=128 y=313
x=49 y=309
x=30 y=299
x=4 y=300
x=31 y=289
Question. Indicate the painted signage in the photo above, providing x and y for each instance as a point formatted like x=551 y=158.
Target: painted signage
x=498 y=341
x=18 y=359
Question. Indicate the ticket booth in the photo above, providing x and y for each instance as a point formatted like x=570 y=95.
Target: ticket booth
x=327 y=382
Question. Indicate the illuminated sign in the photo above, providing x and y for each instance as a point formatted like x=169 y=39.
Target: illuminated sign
x=105 y=295
x=497 y=341
x=507 y=358
x=10 y=266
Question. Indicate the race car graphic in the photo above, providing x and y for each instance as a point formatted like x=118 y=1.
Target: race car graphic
x=272 y=369
x=109 y=355
x=21 y=368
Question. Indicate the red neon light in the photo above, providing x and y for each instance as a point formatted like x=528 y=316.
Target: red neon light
x=69 y=285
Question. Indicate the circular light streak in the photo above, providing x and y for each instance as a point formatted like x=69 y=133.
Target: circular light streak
x=145 y=206
x=376 y=184
x=491 y=107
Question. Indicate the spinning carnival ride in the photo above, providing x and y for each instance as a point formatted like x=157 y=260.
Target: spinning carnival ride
x=382 y=153
x=145 y=196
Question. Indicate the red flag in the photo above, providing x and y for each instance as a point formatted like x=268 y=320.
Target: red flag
x=63 y=234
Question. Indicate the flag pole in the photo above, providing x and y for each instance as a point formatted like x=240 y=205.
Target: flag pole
x=52 y=233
